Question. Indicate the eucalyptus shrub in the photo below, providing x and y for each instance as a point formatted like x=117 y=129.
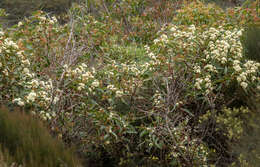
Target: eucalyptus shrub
x=135 y=97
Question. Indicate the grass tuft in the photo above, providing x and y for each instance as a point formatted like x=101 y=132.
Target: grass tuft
x=29 y=143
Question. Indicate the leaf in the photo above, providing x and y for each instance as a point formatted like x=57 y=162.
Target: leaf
x=174 y=162
x=187 y=111
x=225 y=70
x=29 y=46
x=106 y=136
x=131 y=132
x=114 y=134
x=144 y=132
x=159 y=145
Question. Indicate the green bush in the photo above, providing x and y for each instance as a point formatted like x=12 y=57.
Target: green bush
x=30 y=144
x=251 y=42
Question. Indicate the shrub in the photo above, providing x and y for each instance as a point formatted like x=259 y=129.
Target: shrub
x=30 y=144
x=251 y=42
x=129 y=96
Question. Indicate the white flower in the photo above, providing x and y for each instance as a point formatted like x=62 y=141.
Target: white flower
x=65 y=66
x=51 y=21
x=197 y=85
x=173 y=29
x=207 y=79
x=20 y=54
x=243 y=76
x=239 y=33
x=18 y=101
x=156 y=41
x=54 y=18
x=151 y=54
x=235 y=62
x=223 y=60
x=81 y=86
x=31 y=97
x=48 y=115
x=10 y=43
x=164 y=38
x=213 y=37
x=119 y=93
x=237 y=68
x=55 y=100
x=209 y=67
x=95 y=83
x=244 y=85
x=26 y=70
x=44 y=118
x=20 y=24
x=197 y=69
x=26 y=62
x=42 y=18
x=208 y=85
x=192 y=27
x=5 y=72
x=111 y=87
x=35 y=83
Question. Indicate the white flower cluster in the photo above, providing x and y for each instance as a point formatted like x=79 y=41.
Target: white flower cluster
x=46 y=115
x=9 y=43
x=84 y=75
x=158 y=99
x=222 y=54
x=248 y=72
x=19 y=101
x=197 y=69
x=50 y=20
x=204 y=82
x=39 y=91
x=153 y=58
x=118 y=92
x=31 y=97
x=163 y=38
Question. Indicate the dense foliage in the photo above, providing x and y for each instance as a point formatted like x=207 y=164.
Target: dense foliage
x=138 y=83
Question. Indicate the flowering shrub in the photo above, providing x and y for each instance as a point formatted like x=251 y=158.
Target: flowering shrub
x=137 y=96
x=20 y=78
x=218 y=58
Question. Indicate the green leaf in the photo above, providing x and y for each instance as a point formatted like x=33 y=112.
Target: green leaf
x=144 y=132
x=159 y=145
x=187 y=111
x=225 y=70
